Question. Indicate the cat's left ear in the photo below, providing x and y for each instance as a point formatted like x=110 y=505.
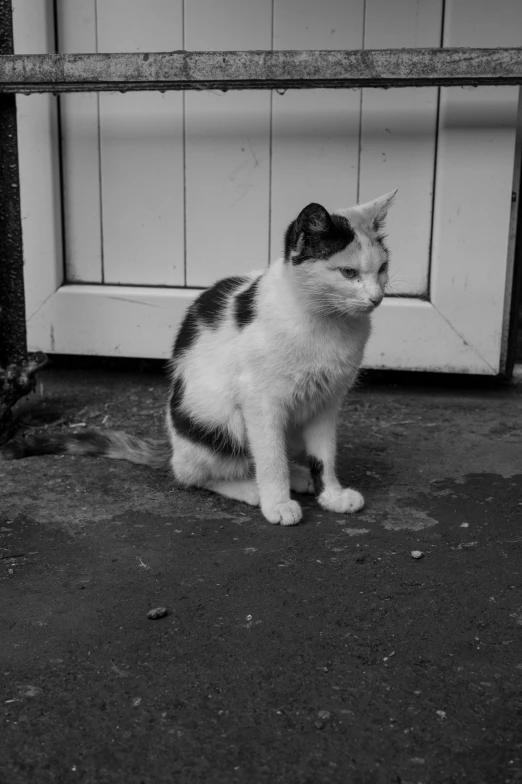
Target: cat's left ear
x=375 y=211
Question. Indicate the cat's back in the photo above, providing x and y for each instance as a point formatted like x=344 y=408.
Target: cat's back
x=226 y=306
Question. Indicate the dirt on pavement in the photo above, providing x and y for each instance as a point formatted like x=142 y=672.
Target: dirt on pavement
x=323 y=652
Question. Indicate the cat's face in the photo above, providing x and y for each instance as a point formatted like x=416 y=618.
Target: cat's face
x=340 y=260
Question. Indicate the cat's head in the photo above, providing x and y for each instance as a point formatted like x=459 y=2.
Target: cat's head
x=340 y=259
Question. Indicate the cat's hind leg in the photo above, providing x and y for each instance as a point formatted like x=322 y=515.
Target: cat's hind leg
x=240 y=489
x=301 y=479
x=196 y=466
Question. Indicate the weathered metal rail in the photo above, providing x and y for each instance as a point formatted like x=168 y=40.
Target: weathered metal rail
x=259 y=70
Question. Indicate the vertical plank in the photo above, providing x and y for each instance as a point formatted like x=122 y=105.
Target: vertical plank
x=227 y=149
x=80 y=151
x=142 y=153
x=398 y=139
x=315 y=133
x=474 y=182
x=39 y=166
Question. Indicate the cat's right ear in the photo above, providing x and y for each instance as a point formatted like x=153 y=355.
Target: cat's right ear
x=314 y=220
x=311 y=225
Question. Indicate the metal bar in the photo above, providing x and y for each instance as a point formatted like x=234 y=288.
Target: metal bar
x=16 y=371
x=259 y=70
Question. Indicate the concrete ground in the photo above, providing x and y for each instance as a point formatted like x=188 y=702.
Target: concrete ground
x=320 y=653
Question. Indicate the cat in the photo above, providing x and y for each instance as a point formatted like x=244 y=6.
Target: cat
x=260 y=367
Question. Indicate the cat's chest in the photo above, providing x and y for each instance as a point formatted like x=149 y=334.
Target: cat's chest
x=313 y=385
x=320 y=373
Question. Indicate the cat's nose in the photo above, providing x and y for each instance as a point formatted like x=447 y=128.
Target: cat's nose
x=376 y=301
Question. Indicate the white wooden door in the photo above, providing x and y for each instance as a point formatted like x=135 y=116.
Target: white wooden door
x=165 y=193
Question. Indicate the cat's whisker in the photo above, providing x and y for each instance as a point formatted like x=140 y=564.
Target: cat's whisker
x=393 y=278
x=394 y=283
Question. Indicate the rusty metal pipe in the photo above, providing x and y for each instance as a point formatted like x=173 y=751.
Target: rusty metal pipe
x=259 y=70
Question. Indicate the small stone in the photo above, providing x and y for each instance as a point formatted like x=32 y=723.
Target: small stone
x=29 y=691
x=157 y=612
x=417 y=554
x=324 y=714
x=464 y=525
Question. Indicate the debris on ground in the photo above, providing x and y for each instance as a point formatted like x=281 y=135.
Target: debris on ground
x=417 y=554
x=324 y=714
x=157 y=612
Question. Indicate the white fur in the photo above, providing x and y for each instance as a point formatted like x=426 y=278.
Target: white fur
x=277 y=384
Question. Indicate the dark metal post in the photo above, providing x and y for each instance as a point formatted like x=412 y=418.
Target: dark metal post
x=16 y=372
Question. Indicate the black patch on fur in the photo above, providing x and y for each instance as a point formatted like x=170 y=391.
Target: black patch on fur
x=216 y=439
x=208 y=310
x=316 y=235
x=316 y=472
x=187 y=334
x=212 y=303
x=245 y=311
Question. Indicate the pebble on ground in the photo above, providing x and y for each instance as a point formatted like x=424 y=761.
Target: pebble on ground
x=157 y=612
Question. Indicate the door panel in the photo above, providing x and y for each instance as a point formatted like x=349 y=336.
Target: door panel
x=227 y=149
x=315 y=133
x=80 y=125
x=398 y=138
x=192 y=186
x=39 y=169
x=141 y=138
x=475 y=184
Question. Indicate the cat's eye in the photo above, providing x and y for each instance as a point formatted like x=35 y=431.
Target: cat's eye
x=383 y=268
x=349 y=273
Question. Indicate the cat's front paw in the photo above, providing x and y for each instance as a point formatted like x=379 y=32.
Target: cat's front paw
x=341 y=500
x=282 y=513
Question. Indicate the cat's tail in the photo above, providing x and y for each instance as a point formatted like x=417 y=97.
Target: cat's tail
x=102 y=443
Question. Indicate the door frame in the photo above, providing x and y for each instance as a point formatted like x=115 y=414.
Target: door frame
x=136 y=321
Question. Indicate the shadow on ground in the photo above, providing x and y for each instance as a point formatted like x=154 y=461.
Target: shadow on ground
x=320 y=653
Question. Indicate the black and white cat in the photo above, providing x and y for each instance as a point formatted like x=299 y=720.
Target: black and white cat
x=260 y=367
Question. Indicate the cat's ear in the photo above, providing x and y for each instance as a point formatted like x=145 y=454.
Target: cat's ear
x=375 y=211
x=314 y=221
x=312 y=225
